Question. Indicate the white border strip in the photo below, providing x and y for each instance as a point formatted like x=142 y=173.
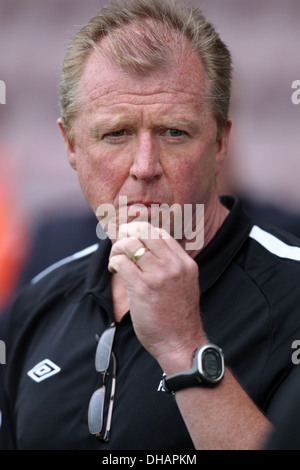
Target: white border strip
x=274 y=244
x=68 y=259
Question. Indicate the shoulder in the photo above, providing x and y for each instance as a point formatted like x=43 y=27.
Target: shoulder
x=49 y=286
x=66 y=265
x=271 y=258
x=276 y=242
x=270 y=246
x=60 y=276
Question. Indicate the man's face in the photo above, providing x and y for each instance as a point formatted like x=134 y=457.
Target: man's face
x=148 y=138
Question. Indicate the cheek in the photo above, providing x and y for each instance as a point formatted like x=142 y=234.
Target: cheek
x=99 y=179
x=193 y=177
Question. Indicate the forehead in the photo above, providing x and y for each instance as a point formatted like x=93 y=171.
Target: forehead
x=104 y=83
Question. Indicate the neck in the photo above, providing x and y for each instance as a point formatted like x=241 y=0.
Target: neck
x=214 y=218
x=214 y=215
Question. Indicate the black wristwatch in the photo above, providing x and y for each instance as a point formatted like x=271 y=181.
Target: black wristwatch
x=207 y=370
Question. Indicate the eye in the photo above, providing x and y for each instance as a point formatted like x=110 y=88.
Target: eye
x=120 y=133
x=175 y=132
x=116 y=137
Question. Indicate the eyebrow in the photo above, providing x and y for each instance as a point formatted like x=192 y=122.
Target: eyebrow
x=111 y=123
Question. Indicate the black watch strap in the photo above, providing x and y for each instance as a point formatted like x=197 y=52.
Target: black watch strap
x=178 y=381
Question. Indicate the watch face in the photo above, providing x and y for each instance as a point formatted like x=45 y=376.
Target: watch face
x=211 y=364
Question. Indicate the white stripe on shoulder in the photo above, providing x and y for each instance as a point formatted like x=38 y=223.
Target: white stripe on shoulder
x=80 y=254
x=274 y=244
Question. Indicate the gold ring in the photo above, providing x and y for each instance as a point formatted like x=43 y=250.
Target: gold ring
x=139 y=253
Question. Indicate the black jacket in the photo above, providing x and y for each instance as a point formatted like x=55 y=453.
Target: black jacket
x=249 y=304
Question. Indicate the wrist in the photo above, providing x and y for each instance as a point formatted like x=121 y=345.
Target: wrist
x=181 y=358
x=207 y=370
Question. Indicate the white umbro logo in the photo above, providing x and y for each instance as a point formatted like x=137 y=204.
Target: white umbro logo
x=43 y=370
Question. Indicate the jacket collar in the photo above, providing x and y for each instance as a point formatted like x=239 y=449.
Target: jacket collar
x=221 y=250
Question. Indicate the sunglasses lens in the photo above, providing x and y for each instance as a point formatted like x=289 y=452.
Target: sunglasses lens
x=95 y=413
x=104 y=348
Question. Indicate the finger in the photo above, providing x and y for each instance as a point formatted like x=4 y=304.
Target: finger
x=126 y=245
x=122 y=265
x=139 y=230
x=133 y=248
x=157 y=240
x=139 y=253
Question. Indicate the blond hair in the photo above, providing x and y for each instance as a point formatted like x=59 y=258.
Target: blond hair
x=136 y=44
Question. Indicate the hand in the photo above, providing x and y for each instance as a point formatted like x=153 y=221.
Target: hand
x=163 y=293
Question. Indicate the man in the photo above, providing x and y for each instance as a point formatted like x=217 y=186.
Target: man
x=99 y=340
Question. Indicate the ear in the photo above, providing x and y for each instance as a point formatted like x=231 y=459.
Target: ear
x=222 y=146
x=70 y=149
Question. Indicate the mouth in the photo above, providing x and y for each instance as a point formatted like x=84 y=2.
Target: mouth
x=143 y=209
x=138 y=206
x=140 y=209
x=142 y=203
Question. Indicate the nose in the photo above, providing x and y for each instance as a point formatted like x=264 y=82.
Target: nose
x=146 y=164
